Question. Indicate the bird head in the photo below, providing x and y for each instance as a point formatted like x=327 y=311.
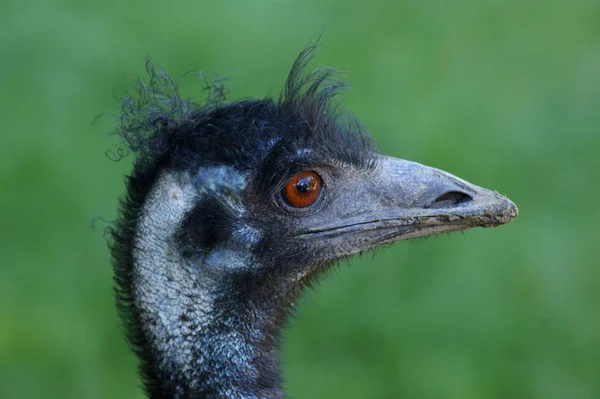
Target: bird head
x=232 y=208
x=291 y=185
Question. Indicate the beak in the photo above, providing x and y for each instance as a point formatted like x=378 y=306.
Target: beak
x=407 y=200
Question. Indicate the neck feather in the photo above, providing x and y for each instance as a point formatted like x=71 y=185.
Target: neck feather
x=203 y=342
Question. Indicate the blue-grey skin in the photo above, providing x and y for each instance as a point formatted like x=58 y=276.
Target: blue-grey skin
x=202 y=343
x=176 y=295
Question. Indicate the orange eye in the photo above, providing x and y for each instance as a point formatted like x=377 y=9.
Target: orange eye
x=303 y=189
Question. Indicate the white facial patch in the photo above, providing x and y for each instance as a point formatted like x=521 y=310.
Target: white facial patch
x=219 y=178
x=175 y=294
x=303 y=151
x=168 y=288
x=247 y=235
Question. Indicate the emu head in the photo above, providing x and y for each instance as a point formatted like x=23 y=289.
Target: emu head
x=232 y=208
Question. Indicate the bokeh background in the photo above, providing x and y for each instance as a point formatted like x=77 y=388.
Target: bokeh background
x=505 y=94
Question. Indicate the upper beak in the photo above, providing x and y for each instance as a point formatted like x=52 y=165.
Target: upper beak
x=430 y=193
x=407 y=200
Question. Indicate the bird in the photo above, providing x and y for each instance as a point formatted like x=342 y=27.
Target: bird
x=232 y=209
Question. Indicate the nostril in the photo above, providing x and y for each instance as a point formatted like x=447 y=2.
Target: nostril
x=450 y=199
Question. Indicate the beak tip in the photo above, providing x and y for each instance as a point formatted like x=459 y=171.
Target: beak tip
x=510 y=212
x=514 y=211
x=499 y=211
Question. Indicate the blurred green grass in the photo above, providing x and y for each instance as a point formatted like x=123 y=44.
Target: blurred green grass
x=503 y=93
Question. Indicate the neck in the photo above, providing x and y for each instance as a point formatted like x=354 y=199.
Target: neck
x=205 y=339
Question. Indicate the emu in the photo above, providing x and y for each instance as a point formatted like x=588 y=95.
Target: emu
x=233 y=208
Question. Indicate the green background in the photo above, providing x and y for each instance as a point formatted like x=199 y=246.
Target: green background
x=505 y=94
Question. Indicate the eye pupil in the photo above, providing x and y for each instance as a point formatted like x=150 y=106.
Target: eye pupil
x=303 y=190
x=306 y=184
